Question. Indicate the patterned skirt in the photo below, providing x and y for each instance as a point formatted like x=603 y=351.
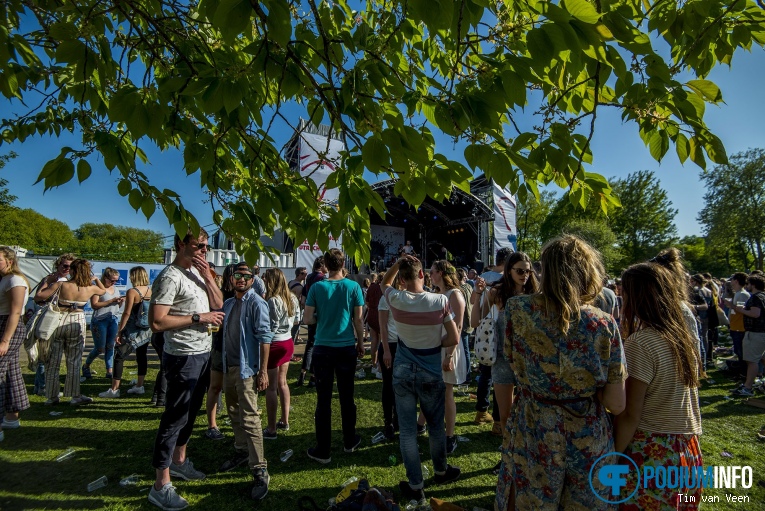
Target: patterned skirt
x=662 y=450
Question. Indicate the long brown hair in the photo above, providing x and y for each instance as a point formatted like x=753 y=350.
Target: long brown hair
x=10 y=255
x=276 y=285
x=651 y=299
x=572 y=276
x=80 y=272
x=448 y=274
x=505 y=287
x=672 y=260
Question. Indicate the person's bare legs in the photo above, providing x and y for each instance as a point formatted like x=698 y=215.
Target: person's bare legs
x=272 y=399
x=163 y=474
x=216 y=385
x=450 y=410
x=504 y=393
x=284 y=392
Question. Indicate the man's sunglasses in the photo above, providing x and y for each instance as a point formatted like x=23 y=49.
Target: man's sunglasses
x=245 y=276
x=201 y=246
x=522 y=271
x=66 y=266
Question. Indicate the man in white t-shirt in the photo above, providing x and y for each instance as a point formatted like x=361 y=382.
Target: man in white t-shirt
x=420 y=320
x=182 y=296
x=740 y=296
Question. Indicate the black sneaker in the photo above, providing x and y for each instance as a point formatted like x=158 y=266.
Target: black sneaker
x=312 y=383
x=86 y=373
x=410 y=493
x=313 y=454
x=421 y=430
x=356 y=444
x=451 y=444
x=451 y=475
x=260 y=488
x=300 y=380
x=390 y=432
x=239 y=459
x=214 y=434
x=269 y=435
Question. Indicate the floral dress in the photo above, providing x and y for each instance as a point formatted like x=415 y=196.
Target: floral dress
x=558 y=428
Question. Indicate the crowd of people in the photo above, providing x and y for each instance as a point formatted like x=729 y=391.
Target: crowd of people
x=582 y=366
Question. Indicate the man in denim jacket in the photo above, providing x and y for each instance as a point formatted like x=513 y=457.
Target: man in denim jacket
x=246 y=344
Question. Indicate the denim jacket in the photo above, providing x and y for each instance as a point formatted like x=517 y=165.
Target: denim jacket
x=254 y=328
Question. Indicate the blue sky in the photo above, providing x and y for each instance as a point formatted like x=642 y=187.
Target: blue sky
x=618 y=150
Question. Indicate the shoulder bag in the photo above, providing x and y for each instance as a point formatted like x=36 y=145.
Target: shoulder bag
x=485 y=342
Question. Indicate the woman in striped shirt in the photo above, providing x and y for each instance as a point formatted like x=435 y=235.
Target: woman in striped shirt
x=661 y=423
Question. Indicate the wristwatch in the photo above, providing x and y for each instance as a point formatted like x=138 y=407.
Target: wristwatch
x=195 y=318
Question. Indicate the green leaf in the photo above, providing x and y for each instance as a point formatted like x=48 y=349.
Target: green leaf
x=681 y=145
x=279 y=21
x=658 y=144
x=708 y=90
x=148 y=206
x=583 y=11
x=135 y=198
x=124 y=186
x=375 y=155
x=83 y=170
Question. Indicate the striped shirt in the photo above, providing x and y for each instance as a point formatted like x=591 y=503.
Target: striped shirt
x=419 y=319
x=669 y=406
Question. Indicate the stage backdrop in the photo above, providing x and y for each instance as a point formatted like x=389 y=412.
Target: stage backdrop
x=318 y=168
x=387 y=239
x=504 y=219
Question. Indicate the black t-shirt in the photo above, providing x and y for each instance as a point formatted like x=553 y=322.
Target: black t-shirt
x=755 y=324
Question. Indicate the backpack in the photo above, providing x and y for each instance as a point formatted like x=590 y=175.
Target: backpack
x=485 y=342
x=141 y=319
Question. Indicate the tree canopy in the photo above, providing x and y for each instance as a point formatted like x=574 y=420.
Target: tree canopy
x=645 y=222
x=518 y=84
x=733 y=215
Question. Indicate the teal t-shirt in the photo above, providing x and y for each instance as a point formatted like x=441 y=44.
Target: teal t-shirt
x=334 y=301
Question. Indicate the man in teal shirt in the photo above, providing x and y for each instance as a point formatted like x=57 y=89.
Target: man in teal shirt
x=335 y=306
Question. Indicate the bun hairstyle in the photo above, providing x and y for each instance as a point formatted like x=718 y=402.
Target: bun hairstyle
x=448 y=274
x=672 y=259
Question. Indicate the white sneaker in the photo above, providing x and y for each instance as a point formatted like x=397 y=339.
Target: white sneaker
x=110 y=394
x=167 y=499
x=11 y=424
x=136 y=390
x=81 y=400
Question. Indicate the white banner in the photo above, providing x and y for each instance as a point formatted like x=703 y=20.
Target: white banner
x=307 y=253
x=319 y=168
x=504 y=219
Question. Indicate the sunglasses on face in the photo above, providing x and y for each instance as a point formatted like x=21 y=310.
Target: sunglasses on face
x=245 y=276
x=114 y=281
x=200 y=246
x=66 y=266
x=522 y=271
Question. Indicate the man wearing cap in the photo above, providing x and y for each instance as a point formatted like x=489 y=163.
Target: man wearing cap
x=246 y=345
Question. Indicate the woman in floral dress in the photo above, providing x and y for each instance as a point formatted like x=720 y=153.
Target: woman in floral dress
x=568 y=365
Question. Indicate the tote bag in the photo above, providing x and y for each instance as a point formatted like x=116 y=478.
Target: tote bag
x=485 y=342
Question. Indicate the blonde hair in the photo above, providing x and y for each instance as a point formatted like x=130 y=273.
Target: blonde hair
x=448 y=274
x=10 y=255
x=138 y=276
x=276 y=286
x=572 y=276
x=108 y=273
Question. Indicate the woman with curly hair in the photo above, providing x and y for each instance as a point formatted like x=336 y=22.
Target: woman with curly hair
x=662 y=421
x=284 y=310
x=567 y=365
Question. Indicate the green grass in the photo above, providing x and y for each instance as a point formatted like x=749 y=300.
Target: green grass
x=115 y=438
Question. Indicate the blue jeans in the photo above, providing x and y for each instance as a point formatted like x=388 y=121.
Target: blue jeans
x=104 y=334
x=410 y=384
x=464 y=340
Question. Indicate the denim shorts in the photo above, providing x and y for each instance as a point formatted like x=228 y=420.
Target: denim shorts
x=501 y=372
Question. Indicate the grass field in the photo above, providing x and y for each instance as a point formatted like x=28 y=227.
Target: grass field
x=115 y=438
